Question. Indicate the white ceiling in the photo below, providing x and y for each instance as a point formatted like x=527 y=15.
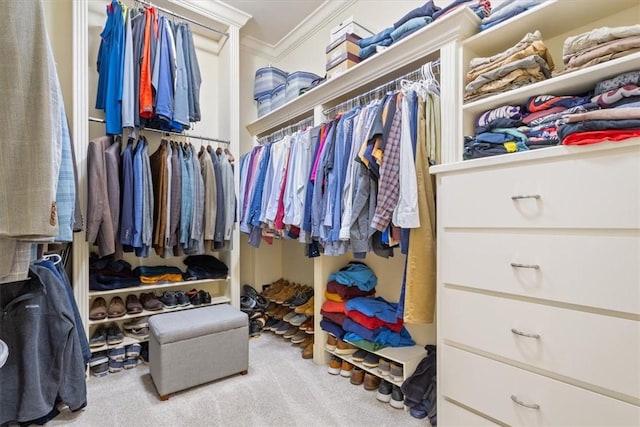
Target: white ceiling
x=272 y=20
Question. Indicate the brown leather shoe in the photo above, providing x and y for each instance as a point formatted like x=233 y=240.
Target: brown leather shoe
x=345 y=369
x=133 y=304
x=306 y=324
x=344 y=348
x=331 y=342
x=357 y=376
x=308 y=340
x=116 y=307
x=371 y=382
x=150 y=302
x=334 y=365
x=307 y=353
x=98 y=309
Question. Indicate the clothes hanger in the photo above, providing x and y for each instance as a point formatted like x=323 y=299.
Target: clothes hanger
x=55 y=258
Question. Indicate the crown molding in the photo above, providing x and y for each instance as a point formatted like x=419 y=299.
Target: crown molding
x=214 y=10
x=317 y=20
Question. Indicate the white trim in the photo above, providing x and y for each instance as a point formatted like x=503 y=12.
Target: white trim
x=215 y=10
x=307 y=28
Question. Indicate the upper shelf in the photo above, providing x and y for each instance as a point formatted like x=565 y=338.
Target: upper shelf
x=552 y=18
x=573 y=83
x=460 y=24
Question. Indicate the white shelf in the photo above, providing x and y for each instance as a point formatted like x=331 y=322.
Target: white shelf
x=214 y=301
x=573 y=83
x=552 y=18
x=148 y=288
x=382 y=67
x=127 y=341
x=373 y=371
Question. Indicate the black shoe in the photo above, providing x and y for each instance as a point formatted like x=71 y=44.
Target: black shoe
x=270 y=322
x=248 y=290
x=99 y=337
x=169 y=299
x=397 y=398
x=114 y=334
x=182 y=299
x=384 y=391
x=247 y=303
x=254 y=329
x=205 y=296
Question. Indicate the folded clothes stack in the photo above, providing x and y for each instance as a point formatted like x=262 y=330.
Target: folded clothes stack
x=150 y=275
x=205 y=267
x=528 y=61
x=599 y=45
x=107 y=274
x=507 y=10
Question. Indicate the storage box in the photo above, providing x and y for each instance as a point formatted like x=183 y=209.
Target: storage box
x=348 y=43
x=348 y=26
x=296 y=81
x=264 y=104
x=267 y=79
x=340 y=68
x=347 y=57
x=277 y=96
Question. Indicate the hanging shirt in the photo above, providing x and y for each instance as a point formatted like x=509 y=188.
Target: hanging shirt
x=128 y=95
x=149 y=40
x=113 y=97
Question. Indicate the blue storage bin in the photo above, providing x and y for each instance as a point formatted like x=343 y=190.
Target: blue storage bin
x=296 y=81
x=267 y=79
x=278 y=97
x=264 y=104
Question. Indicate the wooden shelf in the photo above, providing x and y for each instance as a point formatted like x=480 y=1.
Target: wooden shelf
x=573 y=83
x=214 y=301
x=553 y=18
x=148 y=288
x=382 y=67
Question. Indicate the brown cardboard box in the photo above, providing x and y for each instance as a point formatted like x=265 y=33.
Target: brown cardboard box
x=345 y=57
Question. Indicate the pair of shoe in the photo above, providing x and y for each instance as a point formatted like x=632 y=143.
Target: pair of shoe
x=390 y=393
x=173 y=299
x=150 y=302
x=390 y=369
x=307 y=348
x=254 y=328
x=111 y=334
x=370 y=360
x=344 y=348
x=99 y=309
x=199 y=297
x=137 y=328
x=123 y=357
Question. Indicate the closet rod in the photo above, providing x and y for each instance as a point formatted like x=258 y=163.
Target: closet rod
x=280 y=133
x=204 y=138
x=184 y=18
x=417 y=74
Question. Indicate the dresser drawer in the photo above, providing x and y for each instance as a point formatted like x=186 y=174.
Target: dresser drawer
x=597 y=191
x=452 y=415
x=586 y=268
x=490 y=387
x=607 y=348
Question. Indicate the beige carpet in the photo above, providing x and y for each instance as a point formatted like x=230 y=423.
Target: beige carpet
x=281 y=389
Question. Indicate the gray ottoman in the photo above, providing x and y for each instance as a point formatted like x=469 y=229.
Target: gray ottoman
x=192 y=347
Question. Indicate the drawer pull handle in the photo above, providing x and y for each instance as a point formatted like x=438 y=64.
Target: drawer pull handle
x=525 y=334
x=526 y=405
x=518 y=265
x=526 y=196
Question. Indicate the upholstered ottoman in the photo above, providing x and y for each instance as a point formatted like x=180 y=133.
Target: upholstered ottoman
x=192 y=347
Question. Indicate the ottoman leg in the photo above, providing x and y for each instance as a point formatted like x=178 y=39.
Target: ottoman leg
x=164 y=397
x=245 y=372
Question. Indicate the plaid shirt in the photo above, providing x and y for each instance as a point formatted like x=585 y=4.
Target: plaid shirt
x=389 y=181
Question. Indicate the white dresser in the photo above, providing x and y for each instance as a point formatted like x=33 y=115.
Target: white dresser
x=539 y=254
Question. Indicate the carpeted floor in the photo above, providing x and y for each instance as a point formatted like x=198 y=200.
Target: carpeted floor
x=281 y=389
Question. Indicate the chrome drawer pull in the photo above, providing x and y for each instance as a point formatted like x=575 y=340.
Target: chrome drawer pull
x=526 y=405
x=526 y=196
x=518 y=265
x=525 y=334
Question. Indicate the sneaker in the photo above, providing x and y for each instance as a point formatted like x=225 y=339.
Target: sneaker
x=331 y=342
x=182 y=299
x=396 y=372
x=287 y=317
x=100 y=370
x=138 y=333
x=254 y=328
x=169 y=299
x=116 y=308
x=291 y=332
x=307 y=352
x=118 y=354
x=133 y=305
x=137 y=323
x=344 y=348
x=98 y=358
x=205 y=296
x=384 y=391
x=130 y=363
x=397 y=398
x=284 y=326
x=115 y=365
x=98 y=310
x=270 y=322
x=359 y=355
x=114 y=334
x=384 y=367
x=150 y=302
x=334 y=365
x=299 y=337
x=133 y=350
x=371 y=360
x=99 y=337
x=345 y=369
x=298 y=319
x=194 y=297
x=278 y=325
x=357 y=376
